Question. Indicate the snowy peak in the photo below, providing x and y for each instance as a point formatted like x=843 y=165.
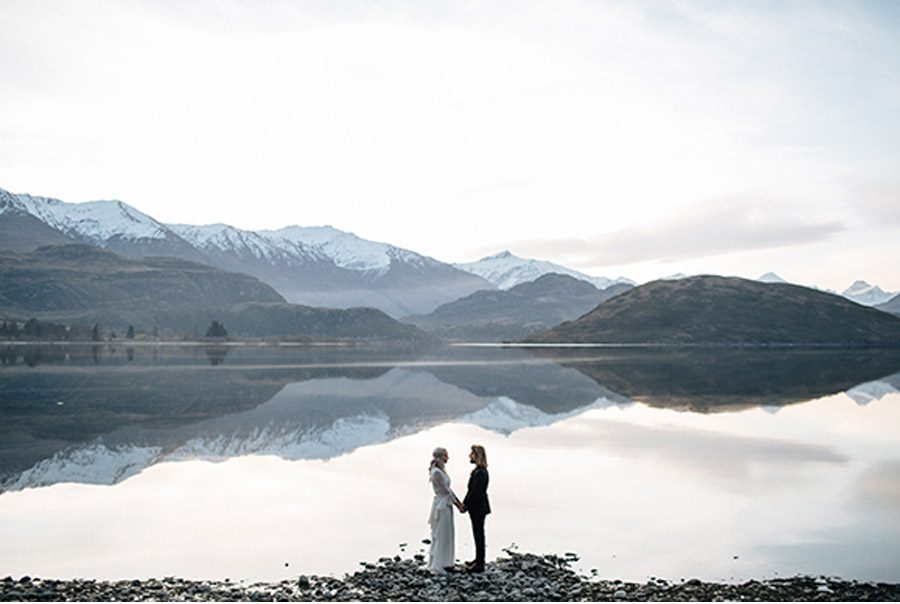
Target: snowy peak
x=307 y=235
x=859 y=286
x=315 y=266
x=345 y=249
x=94 y=221
x=506 y=270
x=770 y=277
x=9 y=202
x=866 y=294
x=207 y=235
x=224 y=239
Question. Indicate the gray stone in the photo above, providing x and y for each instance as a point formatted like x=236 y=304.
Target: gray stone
x=548 y=578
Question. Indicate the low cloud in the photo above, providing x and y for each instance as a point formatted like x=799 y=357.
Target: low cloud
x=712 y=228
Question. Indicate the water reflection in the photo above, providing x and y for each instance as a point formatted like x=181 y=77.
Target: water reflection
x=99 y=414
x=730 y=379
x=216 y=354
x=593 y=453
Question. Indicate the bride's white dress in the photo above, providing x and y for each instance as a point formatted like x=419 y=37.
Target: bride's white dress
x=441 y=554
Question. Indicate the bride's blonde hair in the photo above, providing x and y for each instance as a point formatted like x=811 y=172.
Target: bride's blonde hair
x=437 y=458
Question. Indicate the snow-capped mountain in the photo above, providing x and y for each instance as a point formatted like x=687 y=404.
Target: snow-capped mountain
x=506 y=270
x=770 y=277
x=346 y=250
x=94 y=221
x=10 y=203
x=22 y=232
x=868 y=295
x=217 y=238
x=316 y=266
x=113 y=225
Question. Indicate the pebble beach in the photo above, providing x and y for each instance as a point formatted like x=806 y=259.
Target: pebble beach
x=514 y=577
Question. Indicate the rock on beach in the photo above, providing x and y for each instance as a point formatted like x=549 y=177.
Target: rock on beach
x=514 y=577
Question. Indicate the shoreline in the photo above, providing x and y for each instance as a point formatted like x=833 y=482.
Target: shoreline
x=514 y=577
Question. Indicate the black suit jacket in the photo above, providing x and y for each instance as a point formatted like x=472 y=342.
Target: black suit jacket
x=476 y=500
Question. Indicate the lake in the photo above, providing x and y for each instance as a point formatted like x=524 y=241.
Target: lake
x=264 y=462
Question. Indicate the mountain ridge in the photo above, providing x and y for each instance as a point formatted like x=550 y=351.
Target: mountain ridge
x=505 y=270
x=864 y=293
x=891 y=306
x=713 y=310
x=316 y=266
x=502 y=315
x=83 y=284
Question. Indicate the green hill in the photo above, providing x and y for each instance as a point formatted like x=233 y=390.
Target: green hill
x=711 y=310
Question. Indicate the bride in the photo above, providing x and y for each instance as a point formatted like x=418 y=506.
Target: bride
x=441 y=555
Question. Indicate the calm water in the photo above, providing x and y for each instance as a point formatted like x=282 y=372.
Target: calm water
x=265 y=462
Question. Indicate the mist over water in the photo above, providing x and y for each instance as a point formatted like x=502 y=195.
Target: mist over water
x=235 y=461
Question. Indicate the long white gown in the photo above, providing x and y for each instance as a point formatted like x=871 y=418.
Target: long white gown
x=442 y=554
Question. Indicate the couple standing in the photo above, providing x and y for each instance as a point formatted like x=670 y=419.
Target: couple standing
x=441 y=556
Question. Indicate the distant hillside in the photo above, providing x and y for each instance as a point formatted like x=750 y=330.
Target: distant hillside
x=491 y=316
x=80 y=283
x=82 y=277
x=259 y=319
x=727 y=310
x=892 y=306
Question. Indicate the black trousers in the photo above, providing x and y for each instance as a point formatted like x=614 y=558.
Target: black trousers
x=478 y=534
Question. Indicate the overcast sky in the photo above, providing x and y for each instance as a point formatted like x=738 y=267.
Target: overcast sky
x=619 y=138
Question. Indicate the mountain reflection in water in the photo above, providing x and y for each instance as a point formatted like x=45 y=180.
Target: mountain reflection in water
x=98 y=414
x=728 y=379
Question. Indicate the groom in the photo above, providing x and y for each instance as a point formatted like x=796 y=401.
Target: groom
x=477 y=505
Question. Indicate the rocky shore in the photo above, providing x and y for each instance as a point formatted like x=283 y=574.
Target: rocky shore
x=513 y=577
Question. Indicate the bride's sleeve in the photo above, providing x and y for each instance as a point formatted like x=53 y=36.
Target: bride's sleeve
x=441 y=483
